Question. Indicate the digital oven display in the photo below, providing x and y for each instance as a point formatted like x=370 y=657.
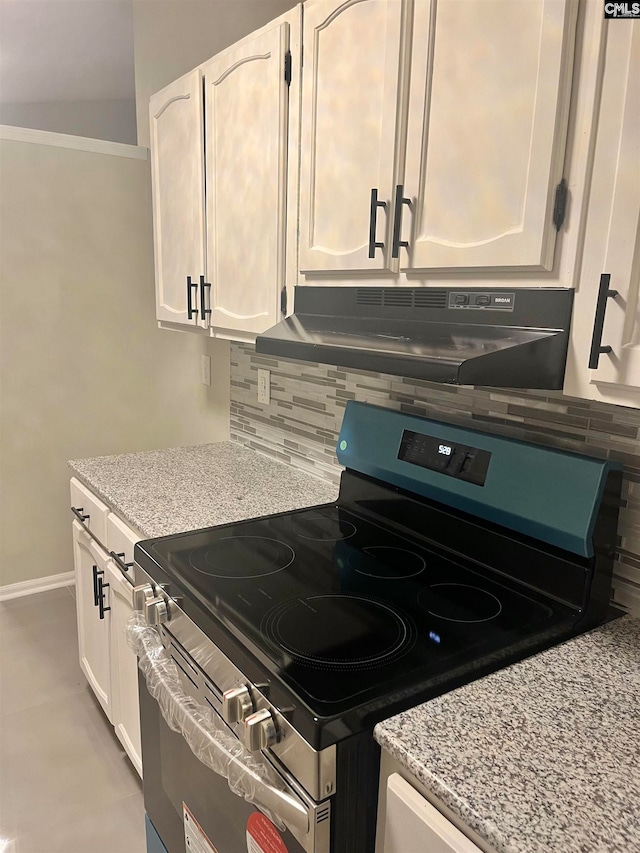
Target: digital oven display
x=455 y=460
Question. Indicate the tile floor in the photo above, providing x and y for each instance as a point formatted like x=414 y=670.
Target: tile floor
x=66 y=784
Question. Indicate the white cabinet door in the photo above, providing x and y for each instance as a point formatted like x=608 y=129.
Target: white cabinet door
x=490 y=86
x=90 y=563
x=121 y=540
x=177 y=173
x=246 y=108
x=612 y=241
x=413 y=825
x=124 y=668
x=351 y=130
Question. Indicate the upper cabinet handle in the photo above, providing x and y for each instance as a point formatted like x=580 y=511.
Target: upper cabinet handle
x=397 y=222
x=604 y=293
x=191 y=311
x=373 y=219
x=203 y=309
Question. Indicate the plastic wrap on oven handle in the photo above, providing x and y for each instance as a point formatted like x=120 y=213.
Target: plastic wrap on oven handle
x=207 y=736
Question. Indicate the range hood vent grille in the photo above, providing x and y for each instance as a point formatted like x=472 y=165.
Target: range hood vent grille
x=384 y=297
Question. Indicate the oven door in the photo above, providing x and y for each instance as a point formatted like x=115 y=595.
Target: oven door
x=194 y=810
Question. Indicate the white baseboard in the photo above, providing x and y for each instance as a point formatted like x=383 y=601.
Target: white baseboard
x=17 y=590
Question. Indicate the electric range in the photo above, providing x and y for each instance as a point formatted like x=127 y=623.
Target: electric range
x=448 y=554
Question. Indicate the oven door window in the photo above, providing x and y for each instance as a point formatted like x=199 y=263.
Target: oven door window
x=174 y=778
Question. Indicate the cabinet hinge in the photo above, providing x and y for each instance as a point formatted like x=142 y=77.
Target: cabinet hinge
x=287 y=68
x=283 y=301
x=560 y=204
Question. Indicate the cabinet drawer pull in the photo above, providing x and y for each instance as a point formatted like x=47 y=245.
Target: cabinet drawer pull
x=397 y=222
x=117 y=558
x=80 y=514
x=96 y=585
x=373 y=221
x=203 y=309
x=101 y=588
x=604 y=293
x=191 y=311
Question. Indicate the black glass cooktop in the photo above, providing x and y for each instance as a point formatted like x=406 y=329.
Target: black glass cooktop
x=345 y=611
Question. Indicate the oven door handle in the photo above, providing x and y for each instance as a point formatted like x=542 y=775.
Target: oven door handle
x=208 y=737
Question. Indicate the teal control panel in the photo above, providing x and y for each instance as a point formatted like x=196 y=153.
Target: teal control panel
x=548 y=494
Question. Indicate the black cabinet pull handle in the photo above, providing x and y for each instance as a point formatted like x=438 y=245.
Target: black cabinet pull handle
x=101 y=588
x=203 y=309
x=124 y=567
x=96 y=585
x=373 y=221
x=191 y=311
x=604 y=293
x=80 y=514
x=397 y=222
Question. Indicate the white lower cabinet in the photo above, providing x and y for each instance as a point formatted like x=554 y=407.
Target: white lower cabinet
x=410 y=820
x=124 y=664
x=94 y=615
x=104 y=602
x=413 y=825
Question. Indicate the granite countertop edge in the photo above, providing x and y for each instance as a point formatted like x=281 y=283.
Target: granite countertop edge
x=162 y=492
x=540 y=756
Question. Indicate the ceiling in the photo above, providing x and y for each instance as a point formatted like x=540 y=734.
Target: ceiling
x=66 y=50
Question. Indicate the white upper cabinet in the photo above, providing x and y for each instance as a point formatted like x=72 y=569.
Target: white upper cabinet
x=433 y=135
x=177 y=174
x=604 y=360
x=350 y=137
x=486 y=133
x=246 y=119
x=222 y=181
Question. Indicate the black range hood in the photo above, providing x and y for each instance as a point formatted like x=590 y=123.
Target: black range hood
x=511 y=338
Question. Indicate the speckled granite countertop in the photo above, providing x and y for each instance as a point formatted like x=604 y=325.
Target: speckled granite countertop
x=160 y=492
x=541 y=757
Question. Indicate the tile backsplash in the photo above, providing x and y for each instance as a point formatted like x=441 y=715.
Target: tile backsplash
x=301 y=424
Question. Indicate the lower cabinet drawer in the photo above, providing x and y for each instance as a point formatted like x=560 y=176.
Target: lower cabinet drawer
x=89 y=510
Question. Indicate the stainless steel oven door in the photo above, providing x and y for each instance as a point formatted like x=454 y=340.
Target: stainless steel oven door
x=183 y=795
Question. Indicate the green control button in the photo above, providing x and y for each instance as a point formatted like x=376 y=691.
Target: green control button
x=343 y=445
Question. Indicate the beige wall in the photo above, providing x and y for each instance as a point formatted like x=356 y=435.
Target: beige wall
x=84 y=370
x=173 y=36
x=107 y=119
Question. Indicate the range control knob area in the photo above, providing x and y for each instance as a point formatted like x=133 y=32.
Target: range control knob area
x=155 y=611
x=260 y=730
x=141 y=594
x=236 y=704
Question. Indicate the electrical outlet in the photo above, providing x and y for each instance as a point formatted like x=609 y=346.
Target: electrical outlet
x=264 y=386
x=205 y=369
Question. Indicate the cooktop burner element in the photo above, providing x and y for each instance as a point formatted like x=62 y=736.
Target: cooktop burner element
x=459 y=602
x=389 y=563
x=339 y=631
x=327 y=527
x=243 y=557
